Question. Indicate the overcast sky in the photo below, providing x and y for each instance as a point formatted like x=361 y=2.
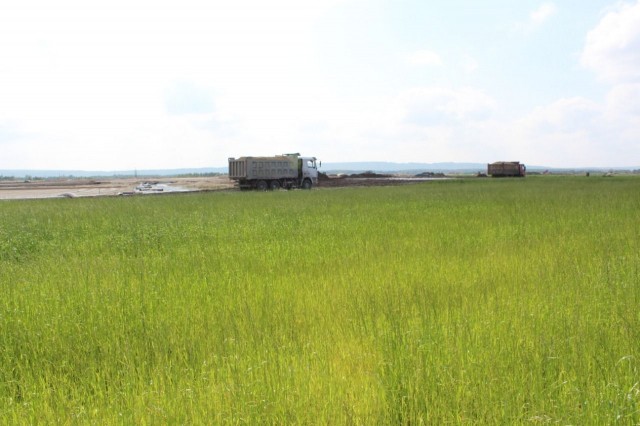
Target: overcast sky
x=173 y=84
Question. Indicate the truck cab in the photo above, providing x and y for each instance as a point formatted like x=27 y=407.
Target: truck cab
x=308 y=170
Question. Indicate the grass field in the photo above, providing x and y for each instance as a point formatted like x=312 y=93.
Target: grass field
x=481 y=301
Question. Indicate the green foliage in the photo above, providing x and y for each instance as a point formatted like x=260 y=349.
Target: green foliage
x=475 y=301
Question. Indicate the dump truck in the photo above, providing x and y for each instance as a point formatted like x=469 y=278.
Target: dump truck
x=506 y=169
x=281 y=171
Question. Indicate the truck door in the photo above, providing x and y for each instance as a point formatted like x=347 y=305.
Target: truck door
x=309 y=169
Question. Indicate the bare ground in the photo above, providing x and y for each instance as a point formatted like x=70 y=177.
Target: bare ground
x=72 y=188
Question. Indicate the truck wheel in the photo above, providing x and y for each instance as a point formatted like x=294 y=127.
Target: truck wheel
x=262 y=185
x=274 y=185
x=306 y=184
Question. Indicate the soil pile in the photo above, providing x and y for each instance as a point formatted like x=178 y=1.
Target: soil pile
x=369 y=175
x=430 y=175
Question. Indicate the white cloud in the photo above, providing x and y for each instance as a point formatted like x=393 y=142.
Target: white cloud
x=623 y=113
x=563 y=115
x=542 y=14
x=186 y=97
x=434 y=106
x=124 y=85
x=580 y=132
x=428 y=124
x=537 y=18
x=612 y=48
x=424 y=58
x=612 y=51
x=469 y=64
x=624 y=101
x=190 y=84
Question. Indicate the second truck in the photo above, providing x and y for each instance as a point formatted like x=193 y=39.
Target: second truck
x=281 y=171
x=506 y=169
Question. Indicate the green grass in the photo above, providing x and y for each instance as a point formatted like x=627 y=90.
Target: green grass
x=474 y=301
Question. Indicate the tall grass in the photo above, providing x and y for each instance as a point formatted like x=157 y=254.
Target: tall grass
x=472 y=301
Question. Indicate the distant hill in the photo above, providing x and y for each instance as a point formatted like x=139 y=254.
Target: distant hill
x=113 y=173
x=327 y=167
x=379 y=166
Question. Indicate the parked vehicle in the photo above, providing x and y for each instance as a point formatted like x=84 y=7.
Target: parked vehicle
x=282 y=171
x=506 y=169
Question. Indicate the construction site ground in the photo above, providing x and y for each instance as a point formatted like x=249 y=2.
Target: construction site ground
x=76 y=187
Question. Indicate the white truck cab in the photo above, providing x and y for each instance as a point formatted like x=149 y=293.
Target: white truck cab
x=309 y=170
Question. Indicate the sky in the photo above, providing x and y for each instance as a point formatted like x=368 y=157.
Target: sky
x=136 y=84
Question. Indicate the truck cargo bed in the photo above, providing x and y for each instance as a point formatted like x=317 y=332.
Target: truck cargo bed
x=280 y=167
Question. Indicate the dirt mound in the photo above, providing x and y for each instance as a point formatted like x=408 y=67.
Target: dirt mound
x=369 y=175
x=429 y=175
